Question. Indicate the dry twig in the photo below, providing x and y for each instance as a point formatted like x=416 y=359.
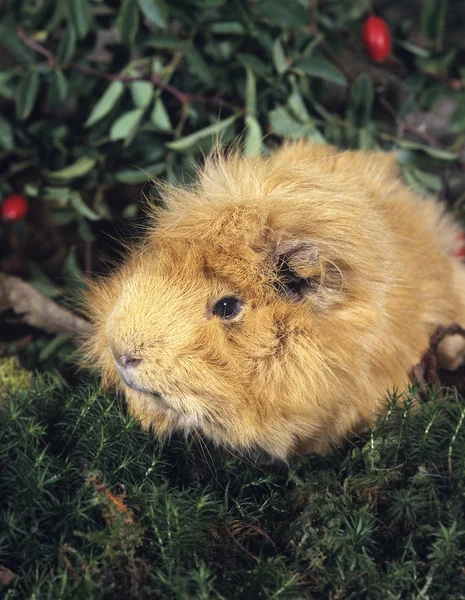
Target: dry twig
x=33 y=308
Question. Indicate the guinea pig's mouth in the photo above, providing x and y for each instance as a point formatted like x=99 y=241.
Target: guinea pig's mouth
x=129 y=380
x=157 y=396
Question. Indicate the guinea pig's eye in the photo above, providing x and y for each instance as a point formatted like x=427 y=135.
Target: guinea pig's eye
x=227 y=308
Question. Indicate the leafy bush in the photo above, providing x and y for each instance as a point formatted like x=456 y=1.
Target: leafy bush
x=99 y=95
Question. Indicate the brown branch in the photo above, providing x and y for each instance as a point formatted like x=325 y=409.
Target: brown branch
x=7 y=576
x=35 y=309
x=51 y=60
x=313 y=16
x=313 y=5
x=182 y=97
x=387 y=105
x=332 y=57
x=408 y=126
x=241 y=546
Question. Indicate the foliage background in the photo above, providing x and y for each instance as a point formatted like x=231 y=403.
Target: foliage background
x=97 y=95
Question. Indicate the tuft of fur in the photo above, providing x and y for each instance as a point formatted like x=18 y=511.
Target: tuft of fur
x=287 y=374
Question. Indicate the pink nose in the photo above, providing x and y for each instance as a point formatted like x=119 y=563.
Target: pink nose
x=127 y=361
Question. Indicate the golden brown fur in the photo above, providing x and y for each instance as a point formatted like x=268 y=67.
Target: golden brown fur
x=286 y=374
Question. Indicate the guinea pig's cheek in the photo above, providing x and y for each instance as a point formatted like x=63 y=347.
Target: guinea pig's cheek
x=145 y=408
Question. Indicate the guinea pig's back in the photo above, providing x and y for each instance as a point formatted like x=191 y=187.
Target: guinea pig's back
x=411 y=274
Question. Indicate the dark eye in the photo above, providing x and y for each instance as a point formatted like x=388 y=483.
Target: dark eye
x=227 y=308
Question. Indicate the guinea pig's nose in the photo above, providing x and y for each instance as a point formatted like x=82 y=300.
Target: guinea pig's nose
x=128 y=361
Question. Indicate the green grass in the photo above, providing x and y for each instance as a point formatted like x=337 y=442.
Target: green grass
x=92 y=507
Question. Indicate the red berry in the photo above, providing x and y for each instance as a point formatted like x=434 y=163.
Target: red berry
x=14 y=207
x=376 y=38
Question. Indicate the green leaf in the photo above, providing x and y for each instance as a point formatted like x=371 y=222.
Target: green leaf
x=49 y=349
x=42 y=13
x=125 y=126
x=31 y=189
x=128 y=21
x=67 y=46
x=56 y=18
x=297 y=104
x=425 y=183
x=413 y=48
x=104 y=105
x=199 y=67
x=253 y=138
x=15 y=45
x=438 y=153
x=436 y=65
x=361 y=99
x=62 y=217
x=80 y=17
x=40 y=281
x=47 y=15
x=84 y=231
x=366 y=138
x=283 y=124
x=321 y=68
x=26 y=94
x=6 y=84
x=130 y=211
x=6 y=135
x=432 y=183
x=164 y=42
x=457 y=123
x=283 y=14
x=60 y=84
x=250 y=61
x=142 y=93
x=155 y=11
x=279 y=58
x=314 y=42
x=227 y=28
x=191 y=140
x=72 y=270
x=433 y=17
x=160 y=117
x=60 y=195
x=83 y=165
x=81 y=207
x=250 y=92
x=135 y=176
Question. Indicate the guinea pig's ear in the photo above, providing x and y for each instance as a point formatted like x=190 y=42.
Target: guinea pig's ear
x=300 y=272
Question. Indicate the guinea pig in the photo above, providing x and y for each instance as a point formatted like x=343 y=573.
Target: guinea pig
x=271 y=305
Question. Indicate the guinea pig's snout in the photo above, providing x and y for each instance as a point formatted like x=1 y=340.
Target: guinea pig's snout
x=126 y=365
x=127 y=361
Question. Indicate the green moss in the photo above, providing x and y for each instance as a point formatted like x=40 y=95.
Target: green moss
x=12 y=375
x=92 y=507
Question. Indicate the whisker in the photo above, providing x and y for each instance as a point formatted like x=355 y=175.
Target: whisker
x=207 y=457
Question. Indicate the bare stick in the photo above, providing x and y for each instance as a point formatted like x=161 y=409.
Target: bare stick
x=37 y=310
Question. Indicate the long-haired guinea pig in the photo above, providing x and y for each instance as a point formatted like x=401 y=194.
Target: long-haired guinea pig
x=271 y=305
